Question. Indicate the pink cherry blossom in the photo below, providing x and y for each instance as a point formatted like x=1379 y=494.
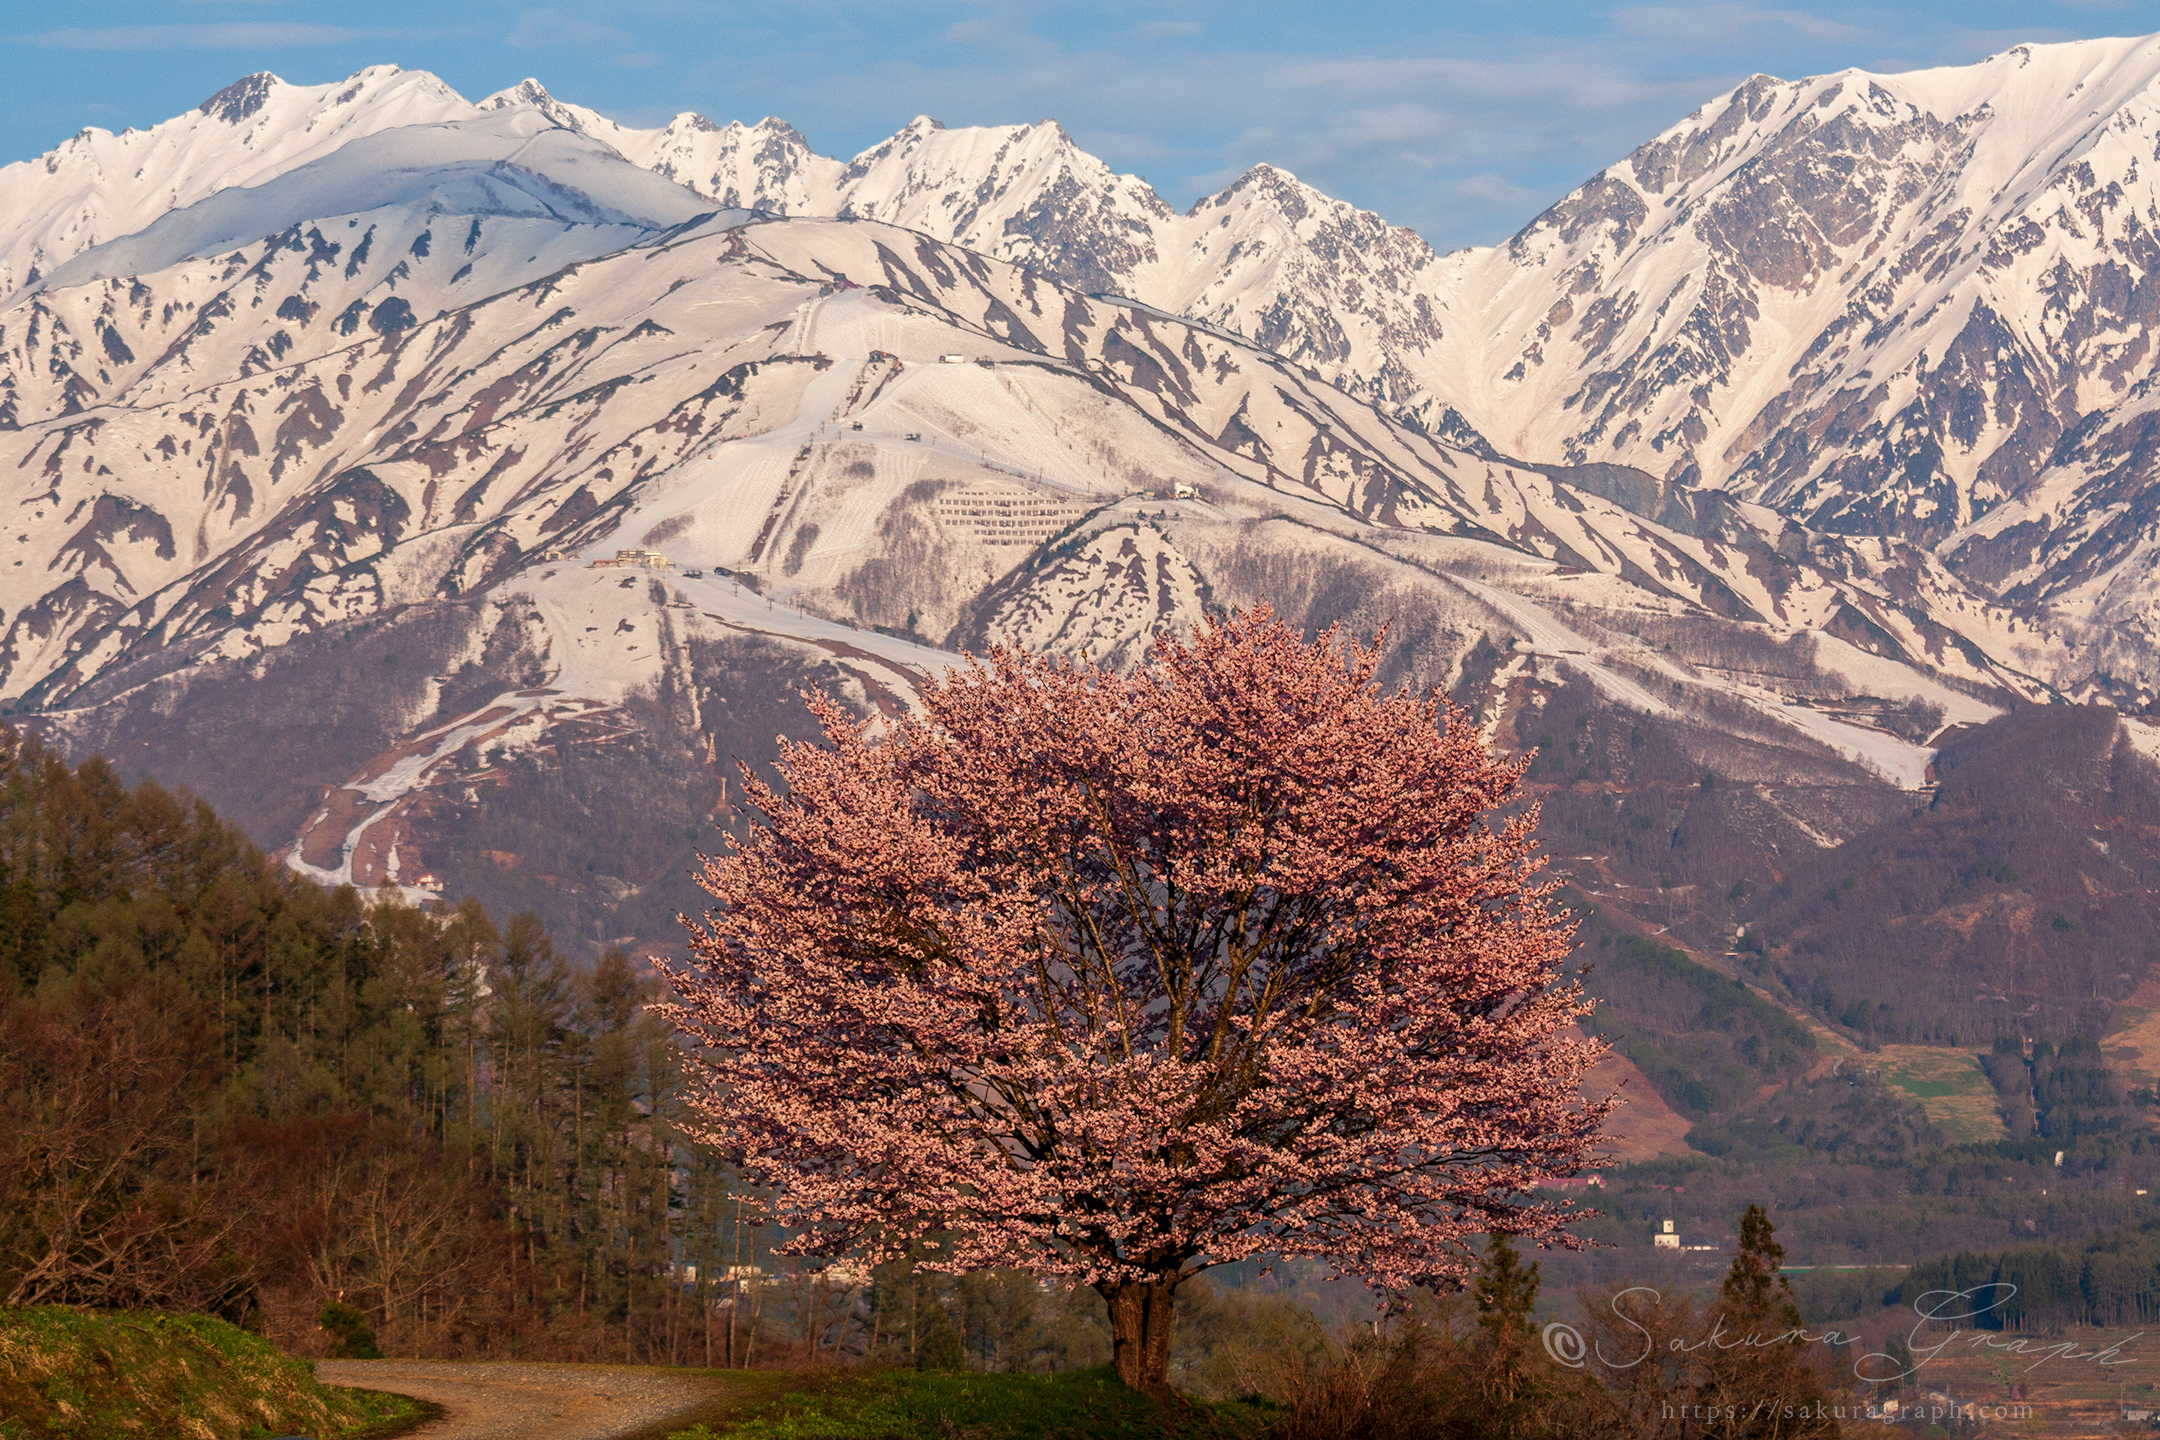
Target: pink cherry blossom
x=1119 y=977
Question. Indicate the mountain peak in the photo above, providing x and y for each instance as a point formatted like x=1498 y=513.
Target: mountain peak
x=241 y=99
x=526 y=92
x=99 y=186
x=1271 y=181
x=531 y=94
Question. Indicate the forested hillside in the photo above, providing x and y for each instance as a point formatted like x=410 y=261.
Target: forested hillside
x=223 y=1087
x=2113 y=1278
x=2019 y=899
x=226 y=1088
x=2018 y=893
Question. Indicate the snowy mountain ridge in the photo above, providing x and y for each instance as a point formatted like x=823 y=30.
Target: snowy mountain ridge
x=99 y=186
x=1917 y=305
x=1844 y=300
x=454 y=493
x=404 y=401
x=1269 y=257
x=512 y=163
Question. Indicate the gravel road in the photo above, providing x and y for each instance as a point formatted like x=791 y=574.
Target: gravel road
x=514 y=1401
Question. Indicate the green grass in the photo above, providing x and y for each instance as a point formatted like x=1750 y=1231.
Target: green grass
x=96 y=1375
x=907 y=1405
x=1949 y=1085
x=382 y=1415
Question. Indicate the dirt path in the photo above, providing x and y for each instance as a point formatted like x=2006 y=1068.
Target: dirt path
x=514 y=1401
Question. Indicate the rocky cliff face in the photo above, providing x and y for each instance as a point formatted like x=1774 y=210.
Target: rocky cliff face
x=1871 y=300
x=1916 y=306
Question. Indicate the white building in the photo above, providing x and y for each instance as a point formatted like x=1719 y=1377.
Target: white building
x=643 y=559
x=1000 y=516
x=1665 y=1239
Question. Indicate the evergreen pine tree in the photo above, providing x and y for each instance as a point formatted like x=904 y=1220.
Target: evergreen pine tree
x=1515 y=1385
x=1756 y=1287
x=937 y=1344
x=1506 y=1294
x=1762 y=1381
x=447 y=1133
x=350 y=1338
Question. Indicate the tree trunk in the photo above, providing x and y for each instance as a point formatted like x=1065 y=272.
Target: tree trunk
x=1140 y=1335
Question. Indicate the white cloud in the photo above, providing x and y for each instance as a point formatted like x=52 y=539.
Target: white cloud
x=551 y=29
x=239 y=35
x=1725 y=26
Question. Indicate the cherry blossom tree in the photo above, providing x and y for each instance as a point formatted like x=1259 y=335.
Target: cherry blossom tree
x=1116 y=978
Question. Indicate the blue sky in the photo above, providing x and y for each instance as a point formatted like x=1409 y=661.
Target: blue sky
x=1460 y=120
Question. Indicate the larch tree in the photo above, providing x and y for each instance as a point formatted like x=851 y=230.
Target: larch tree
x=1115 y=978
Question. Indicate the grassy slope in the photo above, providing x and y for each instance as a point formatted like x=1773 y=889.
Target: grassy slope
x=1950 y=1086
x=1946 y=1081
x=907 y=1405
x=95 y=1374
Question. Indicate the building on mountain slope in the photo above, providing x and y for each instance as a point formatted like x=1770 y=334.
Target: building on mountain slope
x=1003 y=517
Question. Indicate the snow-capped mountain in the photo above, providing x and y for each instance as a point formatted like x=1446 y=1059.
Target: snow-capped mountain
x=411 y=381
x=454 y=492
x=527 y=346
x=1269 y=258
x=512 y=164
x=416 y=231
x=855 y=431
x=1916 y=305
x=99 y=186
x=363 y=410
x=1940 y=261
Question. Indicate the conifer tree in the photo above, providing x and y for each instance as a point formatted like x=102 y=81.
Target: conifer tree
x=1756 y=1288
x=1763 y=1378
x=303 y=1097
x=1506 y=1293
x=1513 y=1382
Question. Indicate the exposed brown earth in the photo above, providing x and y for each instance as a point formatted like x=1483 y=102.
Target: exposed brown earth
x=520 y=1401
x=2133 y=1042
x=1644 y=1127
x=322 y=842
x=371 y=856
